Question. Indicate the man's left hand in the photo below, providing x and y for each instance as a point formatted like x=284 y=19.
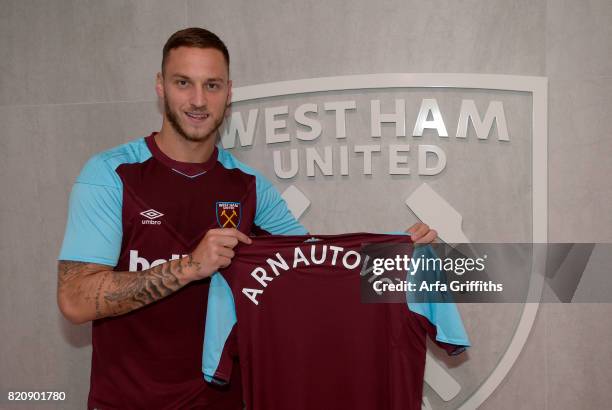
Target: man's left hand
x=421 y=233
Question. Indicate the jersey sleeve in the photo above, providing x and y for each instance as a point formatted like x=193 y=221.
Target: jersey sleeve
x=94 y=226
x=272 y=214
x=219 y=333
x=441 y=320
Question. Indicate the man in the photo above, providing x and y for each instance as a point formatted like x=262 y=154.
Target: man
x=149 y=222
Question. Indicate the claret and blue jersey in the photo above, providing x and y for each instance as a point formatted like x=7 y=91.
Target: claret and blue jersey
x=290 y=309
x=133 y=207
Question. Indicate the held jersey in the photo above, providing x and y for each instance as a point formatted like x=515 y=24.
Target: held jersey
x=132 y=208
x=290 y=309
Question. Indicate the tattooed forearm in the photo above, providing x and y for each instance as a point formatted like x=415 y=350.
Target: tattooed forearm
x=89 y=291
x=142 y=288
x=98 y=311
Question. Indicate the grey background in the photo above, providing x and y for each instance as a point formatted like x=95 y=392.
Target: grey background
x=77 y=77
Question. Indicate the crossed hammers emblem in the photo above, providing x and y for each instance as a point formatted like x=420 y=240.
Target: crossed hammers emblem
x=229 y=218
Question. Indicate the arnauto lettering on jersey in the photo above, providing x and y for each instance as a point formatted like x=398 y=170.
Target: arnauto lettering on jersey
x=301 y=256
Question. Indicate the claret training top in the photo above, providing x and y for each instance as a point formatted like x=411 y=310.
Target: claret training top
x=132 y=207
x=290 y=309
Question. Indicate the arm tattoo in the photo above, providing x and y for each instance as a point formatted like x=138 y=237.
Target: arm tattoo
x=98 y=311
x=114 y=293
x=68 y=270
x=193 y=264
x=129 y=291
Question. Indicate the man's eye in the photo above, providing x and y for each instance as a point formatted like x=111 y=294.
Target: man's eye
x=212 y=86
x=182 y=83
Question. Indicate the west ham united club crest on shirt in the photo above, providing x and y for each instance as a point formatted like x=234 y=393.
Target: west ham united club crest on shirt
x=228 y=214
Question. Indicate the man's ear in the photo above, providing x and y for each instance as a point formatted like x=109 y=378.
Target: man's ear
x=159 y=85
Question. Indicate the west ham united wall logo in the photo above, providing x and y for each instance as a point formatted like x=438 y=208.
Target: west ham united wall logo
x=464 y=153
x=228 y=214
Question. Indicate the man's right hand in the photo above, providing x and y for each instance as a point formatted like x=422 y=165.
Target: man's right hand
x=215 y=251
x=88 y=291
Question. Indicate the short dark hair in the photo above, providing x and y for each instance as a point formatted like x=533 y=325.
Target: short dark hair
x=194 y=37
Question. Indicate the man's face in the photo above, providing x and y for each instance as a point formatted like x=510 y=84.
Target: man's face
x=196 y=91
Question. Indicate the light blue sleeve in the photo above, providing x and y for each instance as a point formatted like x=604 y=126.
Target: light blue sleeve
x=272 y=214
x=444 y=316
x=220 y=320
x=94 y=226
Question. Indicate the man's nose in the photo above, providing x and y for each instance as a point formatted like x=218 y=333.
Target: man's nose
x=198 y=98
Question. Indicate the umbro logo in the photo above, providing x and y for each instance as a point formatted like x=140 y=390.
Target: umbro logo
x=151 y=215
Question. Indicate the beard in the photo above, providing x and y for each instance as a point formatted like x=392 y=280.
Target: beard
x=194 y=137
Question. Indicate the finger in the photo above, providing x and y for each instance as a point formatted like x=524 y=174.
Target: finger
x=412 y=228
x=225 y=252
x=423 y=230
x=225 y=241
x=418 y=230
x=234 y=233
x=243 y=238
x=429 y=237
x=415 y=227
x=224 y=262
